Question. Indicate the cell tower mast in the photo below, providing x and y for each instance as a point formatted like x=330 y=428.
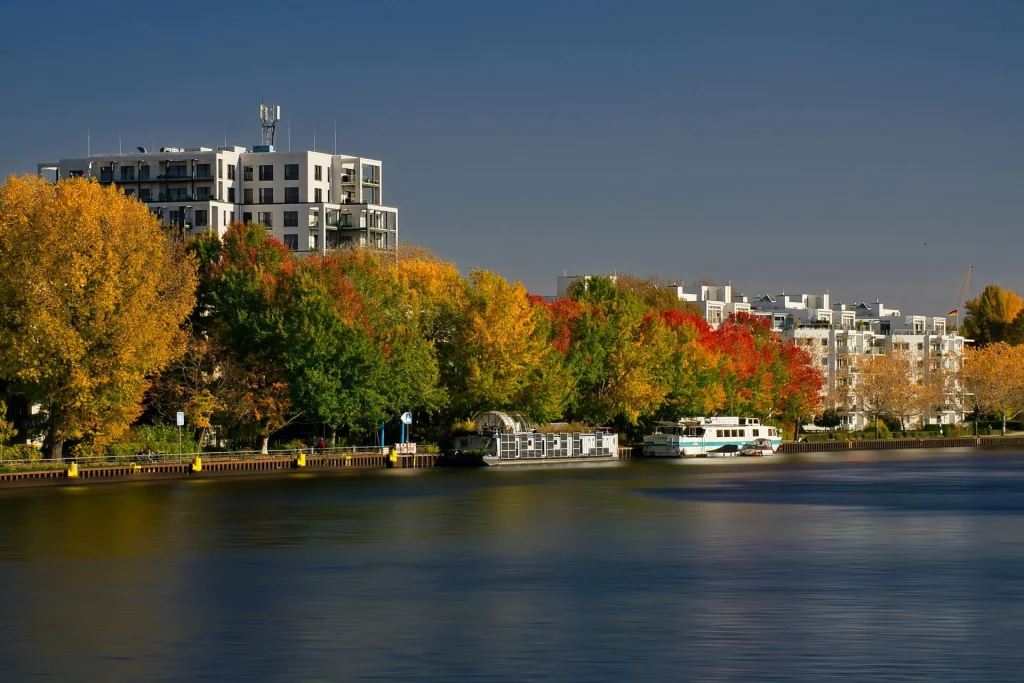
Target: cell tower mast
x=270 y=114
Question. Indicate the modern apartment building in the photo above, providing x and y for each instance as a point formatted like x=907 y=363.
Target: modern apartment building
x=837 y=336
x=311 y=201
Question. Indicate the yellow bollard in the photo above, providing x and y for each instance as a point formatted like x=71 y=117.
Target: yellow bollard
x=348 y=460
x=133 y=467
x=72 y=470
x=301 y=460
x=393 y=457
x=197 y=464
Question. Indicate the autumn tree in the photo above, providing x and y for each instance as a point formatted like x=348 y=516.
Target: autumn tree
x=92 y=294
x=7 y=430
x=498 y=346
x=990 y=316
x=894 y=384
x=994 y=377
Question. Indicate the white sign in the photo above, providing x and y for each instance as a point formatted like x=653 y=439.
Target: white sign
x=407 y=418
x=181 y=419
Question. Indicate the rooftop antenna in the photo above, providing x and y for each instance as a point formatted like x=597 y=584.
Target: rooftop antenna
x=88 y=141
x=225 y=137
x=270 y=114
x=118 y=140
x=335 y=137
x=289 y=137
x=314 y=137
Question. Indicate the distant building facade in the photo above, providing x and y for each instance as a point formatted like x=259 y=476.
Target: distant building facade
x=310 y=201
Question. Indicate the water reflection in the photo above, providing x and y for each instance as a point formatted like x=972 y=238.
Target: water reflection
x=905 y=570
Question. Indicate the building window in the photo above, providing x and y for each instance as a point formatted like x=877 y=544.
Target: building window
x=266 y=172
x=318 y=173
x=145 y=194
x=106 y=175
x=266 y=219
x=232 y=220
x=127 y=173
x=247 y=173
x=220 y=191
x=76 y=174
x=266 y=194
x=203 y=193
x=247 y=217
x=291 y=219
x=144 y=172
x=231 y=193
x=203 y=171
x=247 y=195
x=318 y=195
x=174 y=217
x=215 y=216
x=292 y=242
x=130 y=192
x=231 y=171
x=291 y=195
x=220 y=169
x=291 y=171
x=201 y=220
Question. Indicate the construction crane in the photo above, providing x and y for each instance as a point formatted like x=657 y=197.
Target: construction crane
x=964 y=287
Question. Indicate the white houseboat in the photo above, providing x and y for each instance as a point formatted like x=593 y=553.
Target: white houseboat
x=711 y=436
x=507 y=438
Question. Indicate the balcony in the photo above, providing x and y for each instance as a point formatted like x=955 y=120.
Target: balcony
x=371 y=181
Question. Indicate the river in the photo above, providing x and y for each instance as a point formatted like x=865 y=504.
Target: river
x=902 y=570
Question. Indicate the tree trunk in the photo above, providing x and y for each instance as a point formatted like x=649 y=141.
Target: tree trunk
x=903 y=426
x=55 y=448
x=1004 y=423
x=263 y=448
x=54 y=445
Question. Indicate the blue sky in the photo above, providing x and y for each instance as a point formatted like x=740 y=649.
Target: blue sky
x=873 y=149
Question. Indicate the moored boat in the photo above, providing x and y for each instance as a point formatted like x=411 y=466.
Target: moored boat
x=711 y=437
x=507 y=438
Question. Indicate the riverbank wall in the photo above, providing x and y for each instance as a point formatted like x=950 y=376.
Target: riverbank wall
x=213 y=465
x=900 y=444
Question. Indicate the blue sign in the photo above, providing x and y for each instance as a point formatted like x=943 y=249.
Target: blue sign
x=181 y=419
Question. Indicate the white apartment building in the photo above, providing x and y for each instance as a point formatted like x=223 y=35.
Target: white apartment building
x=837 y=336
x=310 y=201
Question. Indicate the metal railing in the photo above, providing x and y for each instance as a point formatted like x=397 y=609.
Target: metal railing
x=180 y=458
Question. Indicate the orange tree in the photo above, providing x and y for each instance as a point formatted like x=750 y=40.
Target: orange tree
x=92 y=296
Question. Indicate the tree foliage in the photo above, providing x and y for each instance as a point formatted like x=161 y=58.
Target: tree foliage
x=92 y=294
x=991 y=315
x=994 y=377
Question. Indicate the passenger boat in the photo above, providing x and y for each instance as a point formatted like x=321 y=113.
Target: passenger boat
x=711 y=437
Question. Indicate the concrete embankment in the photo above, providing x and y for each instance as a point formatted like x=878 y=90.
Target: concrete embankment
x=900 y=444
x=213 y=465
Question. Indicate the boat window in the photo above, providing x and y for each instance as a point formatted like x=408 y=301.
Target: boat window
x=719 y=432
x=757 y=432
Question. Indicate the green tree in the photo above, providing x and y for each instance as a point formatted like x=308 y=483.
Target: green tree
x=92 y=296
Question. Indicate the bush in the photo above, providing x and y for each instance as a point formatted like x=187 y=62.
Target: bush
x=21 y=451
x=293 y=445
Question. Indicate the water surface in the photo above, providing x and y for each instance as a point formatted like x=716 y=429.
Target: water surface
x=909 y=570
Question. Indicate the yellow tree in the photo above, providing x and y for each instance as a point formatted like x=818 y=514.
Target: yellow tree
x=990 y=316
x=92 y=296
x=873 y=385
x=910 y=394
x=994 y=377
x=498 y=348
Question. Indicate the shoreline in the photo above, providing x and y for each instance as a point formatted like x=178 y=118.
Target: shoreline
x=847 y=452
